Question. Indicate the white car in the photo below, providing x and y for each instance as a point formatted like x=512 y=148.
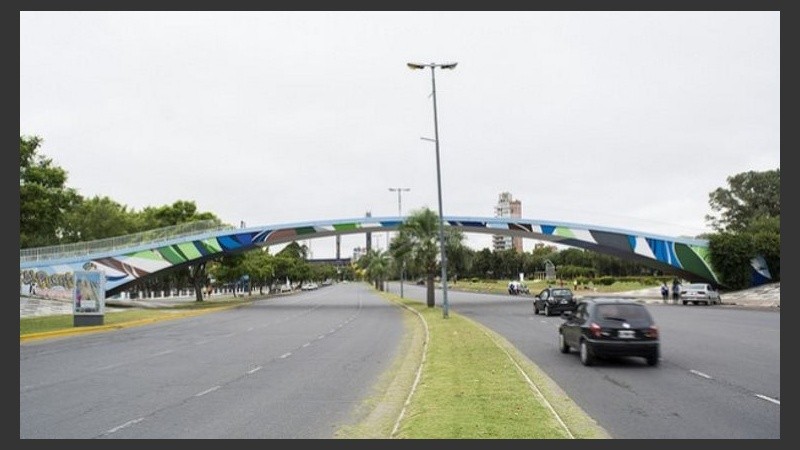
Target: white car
x=310 y=286
x=700 y=293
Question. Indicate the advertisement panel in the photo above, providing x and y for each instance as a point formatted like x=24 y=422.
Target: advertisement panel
x=89 y=294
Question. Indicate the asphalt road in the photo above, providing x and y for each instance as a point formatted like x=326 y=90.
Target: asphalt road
x=719 y=375
x=288 y=367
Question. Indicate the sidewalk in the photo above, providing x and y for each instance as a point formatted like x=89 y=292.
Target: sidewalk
x=764 y=296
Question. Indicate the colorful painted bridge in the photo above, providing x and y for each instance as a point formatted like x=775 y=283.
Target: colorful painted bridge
x=124 y=265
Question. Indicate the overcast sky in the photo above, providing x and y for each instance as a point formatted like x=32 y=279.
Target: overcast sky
x=618 y=119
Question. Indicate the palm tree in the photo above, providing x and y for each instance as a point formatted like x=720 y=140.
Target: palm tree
x=418 y=243
x=376 y=265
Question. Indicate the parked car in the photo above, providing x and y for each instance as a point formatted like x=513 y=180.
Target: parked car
x=606 y=327
x=700 y=293
x=517 y=287
x=554 y=300
x=309 y=286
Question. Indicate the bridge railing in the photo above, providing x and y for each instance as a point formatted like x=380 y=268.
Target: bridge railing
x=119 y=242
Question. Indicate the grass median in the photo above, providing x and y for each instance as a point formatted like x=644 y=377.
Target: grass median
x=473 y=385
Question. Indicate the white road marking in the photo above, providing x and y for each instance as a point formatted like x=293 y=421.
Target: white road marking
x=543 y=321
x=204 y=341
x=253 y=370
x=165 y=352
x=320 y=336
x=332 y=330
x=701 y=374
x=250 y=329
x=124 y=425
x=306 y=344
x=207 y=391
x=110 y=366
x=769 y=399
x=286 y=355
x=228 y=335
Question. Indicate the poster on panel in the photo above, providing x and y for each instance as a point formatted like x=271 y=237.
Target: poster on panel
x=89 y=295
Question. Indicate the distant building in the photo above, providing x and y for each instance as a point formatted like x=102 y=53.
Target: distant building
x=507 y=207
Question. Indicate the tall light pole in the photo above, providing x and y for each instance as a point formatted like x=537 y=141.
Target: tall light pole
x=399 y=191
x=433 y=66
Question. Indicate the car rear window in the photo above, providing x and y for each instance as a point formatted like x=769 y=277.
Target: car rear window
x=696 y=287
x=622 y=312
x=561 y=292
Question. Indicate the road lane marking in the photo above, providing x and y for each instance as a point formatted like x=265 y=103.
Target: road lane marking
x=306 y=344
x=253 y=370
x=286 y=355
x=701 y=374
x=165 y=352
x=250 y=329
x=207 y=391
x=110 y=366
x=543 y=321
x=227 y=335
x=124 y=425
x=320 y=336
x=769 y=399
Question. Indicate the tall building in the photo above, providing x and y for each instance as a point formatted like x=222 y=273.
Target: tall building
x=507 y=207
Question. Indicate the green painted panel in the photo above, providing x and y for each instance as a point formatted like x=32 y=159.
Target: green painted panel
x=564 y=231
x=305 y=230
x=345 y=226
x=211 y=245
x=171 y=255
x=188 y=249
x=693 y=262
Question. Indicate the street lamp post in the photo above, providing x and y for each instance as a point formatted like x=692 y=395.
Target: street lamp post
x=433 y=66
x=399 y=191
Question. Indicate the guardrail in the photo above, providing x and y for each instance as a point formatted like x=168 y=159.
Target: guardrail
x=114 y=243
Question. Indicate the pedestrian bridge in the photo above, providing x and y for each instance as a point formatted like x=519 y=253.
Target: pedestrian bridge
x=126 y=260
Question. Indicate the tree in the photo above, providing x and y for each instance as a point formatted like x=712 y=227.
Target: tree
x=418 y=243
x=376 y=266
x=459 y=257
x=181 y=211
x=766 y=235
x=747 y=219
x=98 y=218
x=44 y=199
x=750 y=196
x=294 y=250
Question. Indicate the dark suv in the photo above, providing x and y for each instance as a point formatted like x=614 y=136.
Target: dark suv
x=554 y=300
x=610 y=327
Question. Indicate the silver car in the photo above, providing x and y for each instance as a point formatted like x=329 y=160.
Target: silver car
x=700 y=293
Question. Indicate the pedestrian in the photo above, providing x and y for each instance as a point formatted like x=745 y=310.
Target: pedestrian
x=575 y=284
x=676 y=291
x=664 y=291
